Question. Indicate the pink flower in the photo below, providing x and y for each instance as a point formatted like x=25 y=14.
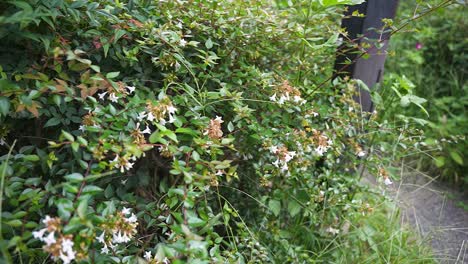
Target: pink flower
x=418 y=46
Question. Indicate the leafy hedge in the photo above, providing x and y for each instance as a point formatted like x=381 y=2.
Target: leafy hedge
x=178 y=131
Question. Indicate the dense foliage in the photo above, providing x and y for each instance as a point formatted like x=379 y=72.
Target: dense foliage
x=183 y=131
x=431 y=57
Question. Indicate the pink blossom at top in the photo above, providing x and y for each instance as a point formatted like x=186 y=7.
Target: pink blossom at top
x=418 y=46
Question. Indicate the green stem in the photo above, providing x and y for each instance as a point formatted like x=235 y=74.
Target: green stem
x=5 y=252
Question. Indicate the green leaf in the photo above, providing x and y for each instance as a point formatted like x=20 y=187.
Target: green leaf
x=293 y=208
x=52 y=122
x=230 y=126
x=112 y=75
x=456 y=157
x=209 y=43
x=74 y=177
x=275 y=207
x=75 y=146
x=14 y=223
x=82 y=208
x=68 y=136
x=4 y=106
x=91 y=189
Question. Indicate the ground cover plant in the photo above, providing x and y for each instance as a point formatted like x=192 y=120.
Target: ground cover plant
x=186 y=132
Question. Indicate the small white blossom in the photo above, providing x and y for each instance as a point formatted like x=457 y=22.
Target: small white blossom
x=273 y=98
x=100 y=238
x=46 y=219
x=146 y=131
x=171 y=119
x=126 y=210
x=387 y=181
x=39 y=234
x=361 y=153
x=105 y=249
x=148 y=255
x=276 y=163
x=333 y=231
x=50 y=239
x=67 y=245
x=131 y=89
x=82 y=128
x=273 y=149
x=150 y=117
x=220 y=119
x=113 y=98
x=101 y=95
x=141 y=116
x=132 y=219
x=182 y=42
x=67 y=258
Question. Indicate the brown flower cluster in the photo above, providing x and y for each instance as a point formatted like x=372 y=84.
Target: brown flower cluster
x=214 y=128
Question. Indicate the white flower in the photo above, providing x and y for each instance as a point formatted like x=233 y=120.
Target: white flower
x=119 y=238
x=273 y=149
x=132 y=219
x=105 y=249
x=220 y=119
x=113 y=97
x=332 y=230
x=273 y=97
x=276 y=163
x=2 y=142
x=128 y=166
x=100 y=238
x=67 y=258
x=148 y=255
x=39 y=234
x=320 y=150
x=219 y=173
x=146 y=131
x=141 y=116
x=297 y=99
x=182 y=42
x=329 y=142
x=46 y=219
x=387 y=181
x=131 y=89
x=171 y=119
x=285 y=167
x=126 y=210
x=82 y=128
x=281 y=100
x=150 y=117
x=50 y=239
x=171 y=109
x=315 y=114
x=101 y=95
x=67 y=245
x=361 y=153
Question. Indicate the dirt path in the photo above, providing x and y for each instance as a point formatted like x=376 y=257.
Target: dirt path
x=437 y=212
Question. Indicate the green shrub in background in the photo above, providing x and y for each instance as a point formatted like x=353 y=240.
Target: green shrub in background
x=432 y=59
x=184 y=132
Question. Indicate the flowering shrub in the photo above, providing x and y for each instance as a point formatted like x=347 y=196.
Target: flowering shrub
x=176 y=131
